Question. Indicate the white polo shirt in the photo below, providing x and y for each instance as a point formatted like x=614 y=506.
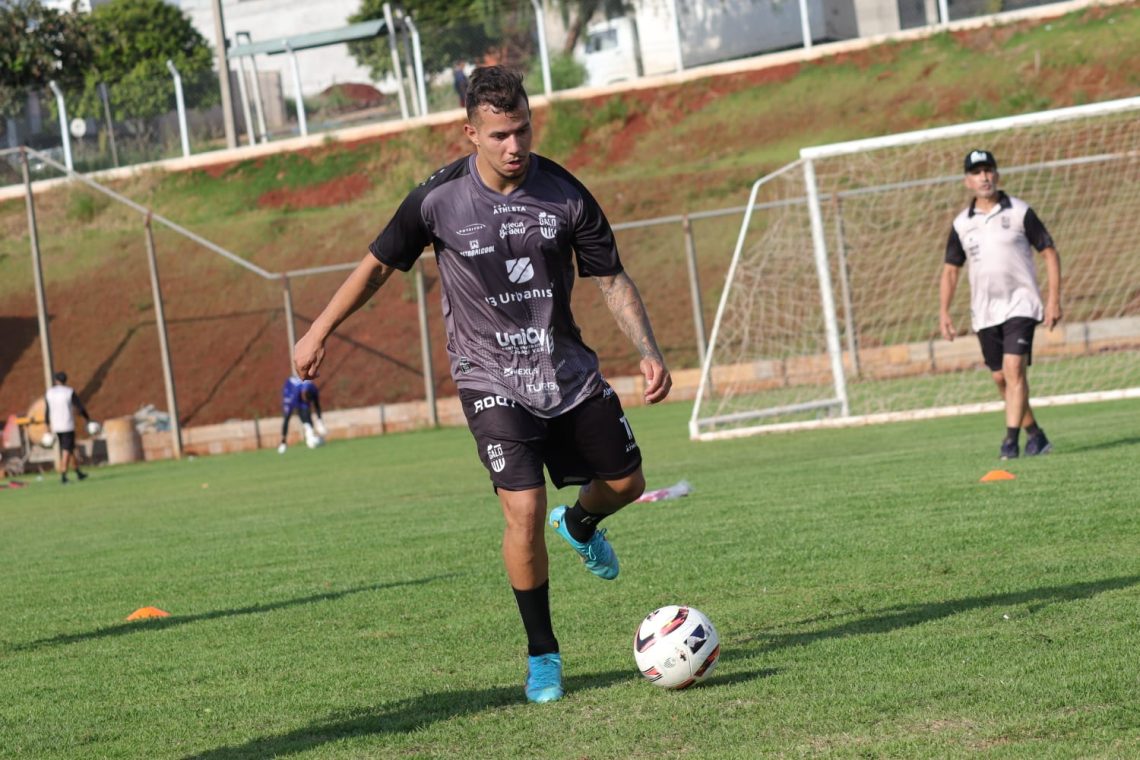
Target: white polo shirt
x=999 y=248
x=59 y=399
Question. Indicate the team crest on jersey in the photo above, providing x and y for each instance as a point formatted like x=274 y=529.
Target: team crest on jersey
x=1004 y=222
x=547 y=225
x=519 y=270
x=495 y=456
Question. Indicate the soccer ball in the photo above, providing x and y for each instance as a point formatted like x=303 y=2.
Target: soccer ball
x=94 y=428
x=48 y=440
x=676 y=647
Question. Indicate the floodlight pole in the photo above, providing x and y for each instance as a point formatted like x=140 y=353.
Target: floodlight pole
x=418 y=63
x=64 y=133
x=805 y=24
x=395 y=60
x=163 y=342
x=224 y=75
x=543 y=53
x=302 y=124
x=263 y=133
x=37 y=270
x=181 y=108
x=110 y=122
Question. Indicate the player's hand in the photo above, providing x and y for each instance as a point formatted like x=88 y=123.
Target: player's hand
x=658 y=381
x=946 y=325
x=308 y=355
x=1052 y=314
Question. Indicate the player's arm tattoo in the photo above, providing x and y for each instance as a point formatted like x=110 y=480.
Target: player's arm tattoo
x=624 y=302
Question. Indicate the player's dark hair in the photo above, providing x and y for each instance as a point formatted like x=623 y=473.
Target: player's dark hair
x=61 y=377
x=495 y=86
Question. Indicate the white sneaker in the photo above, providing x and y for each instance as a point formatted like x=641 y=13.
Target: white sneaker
x=281 y=448
x=319 y=426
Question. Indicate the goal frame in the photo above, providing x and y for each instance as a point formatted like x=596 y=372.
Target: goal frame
x=820 y=254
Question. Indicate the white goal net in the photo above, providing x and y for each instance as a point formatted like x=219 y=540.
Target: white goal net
x=829 y=314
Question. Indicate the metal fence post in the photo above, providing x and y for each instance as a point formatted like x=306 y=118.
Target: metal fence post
x=694 y=285
x=37 y=269
x=163 y=343
x=290 y=326
x=425 y=346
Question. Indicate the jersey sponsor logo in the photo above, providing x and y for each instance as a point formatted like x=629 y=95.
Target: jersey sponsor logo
x=502 y=299
x=506 y=208
x=520 y=270
x=464 y=365
x=471 y=229
x=528 y=341
x=495 y=456
x=474 y=249
x=547 y=225
x=511 y=228
x=489 y=402
x=520 y=371
x=543 y=387
x=1005 y=221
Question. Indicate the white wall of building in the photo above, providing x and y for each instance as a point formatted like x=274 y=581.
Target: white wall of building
x=278 y=19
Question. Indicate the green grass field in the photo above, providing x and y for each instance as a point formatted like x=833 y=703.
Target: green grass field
x=873 y=600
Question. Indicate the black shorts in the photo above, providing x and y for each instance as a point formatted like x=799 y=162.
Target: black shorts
x=591 y=441
x=1013 y=336
x=66 y=441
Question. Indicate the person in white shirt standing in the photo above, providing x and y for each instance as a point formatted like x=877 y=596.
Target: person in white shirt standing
x=997 y=234
x=60 y=399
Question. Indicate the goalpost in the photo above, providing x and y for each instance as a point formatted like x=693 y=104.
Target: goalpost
x=829 y=314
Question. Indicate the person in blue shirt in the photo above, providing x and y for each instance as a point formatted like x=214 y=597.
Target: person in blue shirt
x=302 y=397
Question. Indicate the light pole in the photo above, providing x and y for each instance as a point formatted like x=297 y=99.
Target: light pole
x=224 y=75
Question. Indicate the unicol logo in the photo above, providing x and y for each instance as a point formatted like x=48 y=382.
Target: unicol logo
x=525 y=341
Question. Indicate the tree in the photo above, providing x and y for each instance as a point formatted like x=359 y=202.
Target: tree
x=39 y=44
x=133 y=39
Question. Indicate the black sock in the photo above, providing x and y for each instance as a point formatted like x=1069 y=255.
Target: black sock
x=580 y=523
x=1012 y=434
x=534 y=607
x=1031 y=429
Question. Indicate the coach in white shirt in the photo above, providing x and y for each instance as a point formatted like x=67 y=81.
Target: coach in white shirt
x=996 y=234
x=60 y=398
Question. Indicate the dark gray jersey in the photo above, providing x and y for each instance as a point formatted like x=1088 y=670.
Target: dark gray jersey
x=506 y=266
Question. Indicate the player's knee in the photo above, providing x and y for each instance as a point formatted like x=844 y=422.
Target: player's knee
x=629 y=488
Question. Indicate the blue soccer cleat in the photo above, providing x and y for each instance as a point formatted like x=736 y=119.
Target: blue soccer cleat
x=1008 y=450
x=596 y=553
x=1037 y=444
x=544 y=678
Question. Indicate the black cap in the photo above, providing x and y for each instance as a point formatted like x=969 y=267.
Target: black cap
x=61 y=377
x=979 y=157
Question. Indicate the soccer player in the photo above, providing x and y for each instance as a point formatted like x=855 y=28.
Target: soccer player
x=302 y=397
x=58 y=403
x=507 y=227
x=996 y=234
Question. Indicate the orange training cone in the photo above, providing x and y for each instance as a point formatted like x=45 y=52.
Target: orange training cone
x=993 y=475
x=146 y=613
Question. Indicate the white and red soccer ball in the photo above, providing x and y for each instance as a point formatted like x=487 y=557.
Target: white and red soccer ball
x=676 y=647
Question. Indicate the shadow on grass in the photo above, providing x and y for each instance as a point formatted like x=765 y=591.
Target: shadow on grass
x=1130 y=441
x=159 y=624
x=905 y=616
x=413 y=714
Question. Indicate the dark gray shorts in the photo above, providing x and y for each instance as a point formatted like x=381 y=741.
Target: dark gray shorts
x=591 y=441
x=1013 y=336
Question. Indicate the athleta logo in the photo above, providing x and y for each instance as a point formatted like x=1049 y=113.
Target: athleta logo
x=547 y=225
x=471 y=229
x=496 y=457
x=523 y=295
x=506 y=208
x=474 y=249
x=526 y=341
x=487 y=402
x=511 y=228
x=519 y=270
